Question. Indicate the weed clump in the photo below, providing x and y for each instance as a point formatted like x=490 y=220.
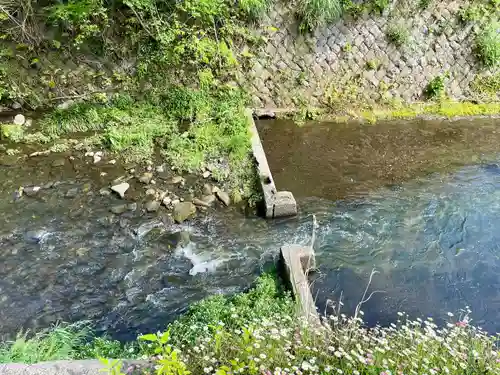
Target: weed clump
x=436 y=87
x=488 y=45
x=398 y=35
x=318 y=13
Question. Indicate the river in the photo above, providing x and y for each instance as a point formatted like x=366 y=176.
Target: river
x=419 y=201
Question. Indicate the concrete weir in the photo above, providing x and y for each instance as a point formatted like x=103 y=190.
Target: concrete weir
x=277 y=203
x=296 y=261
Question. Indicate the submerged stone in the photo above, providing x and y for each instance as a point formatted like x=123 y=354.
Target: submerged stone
x=152 y=206
x=184 y=211
x=120 y=189
x=119 y=209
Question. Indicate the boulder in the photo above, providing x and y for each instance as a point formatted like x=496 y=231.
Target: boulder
x=207 y=189
x=184 y=211
x=208 y=199
x=146 y=178
x=120 y=189
x=177 y=179
x=19 y=120
x=200 y=203
x=31 y=191
x=152 y=206
x=223 y=197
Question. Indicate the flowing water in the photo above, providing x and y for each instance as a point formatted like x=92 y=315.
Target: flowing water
x=419 y=201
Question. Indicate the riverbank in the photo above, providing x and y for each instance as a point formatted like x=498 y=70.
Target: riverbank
x=258 y=333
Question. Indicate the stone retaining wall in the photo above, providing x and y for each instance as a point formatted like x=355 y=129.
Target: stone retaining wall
x=354 y=60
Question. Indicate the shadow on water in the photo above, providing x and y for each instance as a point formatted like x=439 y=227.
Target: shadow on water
x=424 y=213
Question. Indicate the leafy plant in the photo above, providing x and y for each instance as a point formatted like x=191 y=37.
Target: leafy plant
x=424 y=4
x=372 y=64
x=318 y=13
x=263 y=301
x=436 y=87
x=488 y=45
x=380 y=5
x=398 y=34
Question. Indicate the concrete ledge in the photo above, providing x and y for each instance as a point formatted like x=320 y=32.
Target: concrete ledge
x=297 y=260
x=277 y=203
x=84 y=367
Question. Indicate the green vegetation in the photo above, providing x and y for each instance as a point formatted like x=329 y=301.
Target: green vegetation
x=254 y=9
x=380 y=5
x=73 y=341
x=487 y=84
x=318 y=13
x=258 y=332
x=398 y=34
x=435 y=89
x=479 y=11
x=488 y=45
x=373 y=64
x=424 y=4
x=443 y=108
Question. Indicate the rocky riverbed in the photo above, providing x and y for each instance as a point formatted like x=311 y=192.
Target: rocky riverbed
x=85 y=236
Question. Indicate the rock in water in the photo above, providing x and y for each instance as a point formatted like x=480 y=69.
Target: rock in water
x=117 y=210
x=72 y=193
x=208 y=199
x=207 y=189
x=177 y=180
x=19 y=120
x=120 y=189
x=200 y=203
x=152 y=206
x=146 y=178
x=223 y=196
x=31 y=191
x=58 y=163
x=184 y=211
x=104 y=192
x=35 y=236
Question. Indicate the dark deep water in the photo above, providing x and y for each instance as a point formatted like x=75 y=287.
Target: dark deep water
x=419 y=201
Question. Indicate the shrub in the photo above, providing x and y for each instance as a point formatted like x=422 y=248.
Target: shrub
x=282 y=344
x=398 y=34
x=380 y=5
x=318 y=13
x=488 y=45
x=435 y=88
x=263 y=301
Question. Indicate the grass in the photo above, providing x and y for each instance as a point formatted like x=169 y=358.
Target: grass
x=259 y=333
x=398 y=34
x=444 y=108
x=318 y=13
x=488 y=45
x=254 y=9
x=193 y=128
x=60 y=342
x=487 y=84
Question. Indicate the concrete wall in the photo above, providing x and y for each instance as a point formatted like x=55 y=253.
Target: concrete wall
x=294 y=68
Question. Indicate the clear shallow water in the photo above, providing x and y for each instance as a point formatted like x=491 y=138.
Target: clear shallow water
x=433 y=238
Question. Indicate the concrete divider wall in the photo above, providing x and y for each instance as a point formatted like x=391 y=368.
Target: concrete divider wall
x=277 y=203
